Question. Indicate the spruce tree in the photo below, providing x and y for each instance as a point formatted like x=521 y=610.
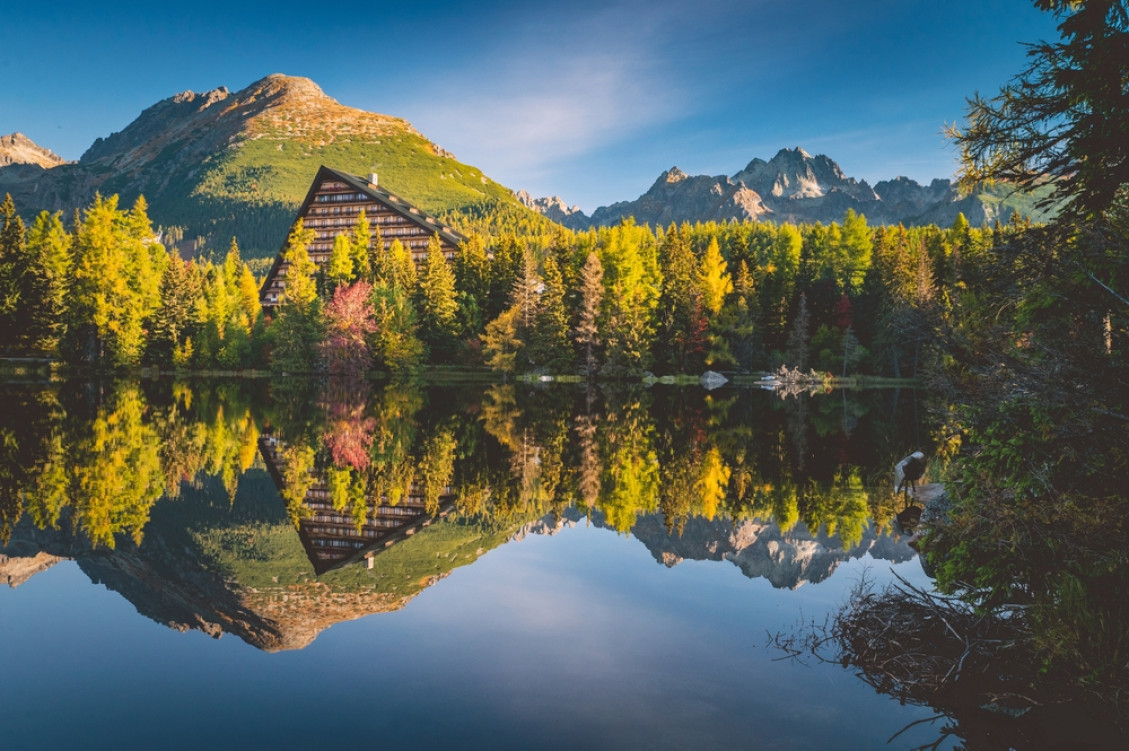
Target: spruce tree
x=46 y=282
x=12 y=252
x=438 y=305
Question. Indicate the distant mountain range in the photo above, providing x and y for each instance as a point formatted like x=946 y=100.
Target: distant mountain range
x=222 y=164
x=787 y=559
x=795 y=186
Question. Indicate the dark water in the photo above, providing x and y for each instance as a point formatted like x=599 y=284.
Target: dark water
x=245 y=565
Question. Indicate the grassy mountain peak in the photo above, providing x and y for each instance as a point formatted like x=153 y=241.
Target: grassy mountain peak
x=221 y=164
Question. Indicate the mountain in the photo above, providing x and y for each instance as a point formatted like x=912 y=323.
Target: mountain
x=795 y=186
x=215 y=565
x=552 y=208
x=677 y=197
x=19 y=149
x=223 y=164
x=787 y=559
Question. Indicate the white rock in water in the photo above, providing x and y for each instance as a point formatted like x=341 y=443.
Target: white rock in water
x=712 y=379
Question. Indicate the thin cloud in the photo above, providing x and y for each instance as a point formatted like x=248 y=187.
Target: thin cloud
x=556 y=90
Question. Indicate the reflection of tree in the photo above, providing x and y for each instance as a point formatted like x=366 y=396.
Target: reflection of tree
x=631 y=476
x=500 y=455
x=103 y=475
x=349 y=432
x=437 y=465
x=117 y=471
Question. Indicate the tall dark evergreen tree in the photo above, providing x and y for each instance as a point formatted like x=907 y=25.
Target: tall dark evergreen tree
x=12 y=256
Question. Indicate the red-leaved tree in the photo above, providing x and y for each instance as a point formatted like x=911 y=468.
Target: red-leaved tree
x=349 y=322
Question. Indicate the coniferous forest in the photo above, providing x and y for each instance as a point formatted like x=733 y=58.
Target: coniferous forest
x=843 y=299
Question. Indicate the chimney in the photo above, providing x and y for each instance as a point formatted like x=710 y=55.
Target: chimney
x=372 y=179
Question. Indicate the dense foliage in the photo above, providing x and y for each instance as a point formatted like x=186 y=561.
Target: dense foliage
x=1037 y=359
x=843 y=298
x=93 y=459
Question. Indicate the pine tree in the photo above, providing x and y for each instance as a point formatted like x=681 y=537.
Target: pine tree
x=679 y=304
x=359 y=245
x=339 y=271
x=549 y=343
x=12 y=253
x=297 y=329
x=396 y=344
x=47 y=281
x=438 y=305
x=526 y=293
x=175 y=324
x=800 y=336
x=401 y=269
x=378 y=258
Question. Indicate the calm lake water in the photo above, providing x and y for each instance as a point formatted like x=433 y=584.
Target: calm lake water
x=246 y=565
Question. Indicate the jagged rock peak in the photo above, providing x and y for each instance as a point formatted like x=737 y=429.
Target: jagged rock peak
x=274 y=86
x=673 y=175
x=552 y=207
x=17 y=148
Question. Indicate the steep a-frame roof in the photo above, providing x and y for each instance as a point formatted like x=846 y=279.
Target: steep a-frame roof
x=384 y=197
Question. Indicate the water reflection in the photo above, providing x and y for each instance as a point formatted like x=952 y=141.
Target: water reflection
x=274 y=512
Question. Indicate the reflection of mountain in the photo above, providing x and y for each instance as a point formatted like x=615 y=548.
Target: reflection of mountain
x=332 y=536
x=760 y=549
x=16 y=567
x=217 y=566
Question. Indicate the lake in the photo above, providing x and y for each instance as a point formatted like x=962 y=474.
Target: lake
x=251 y=564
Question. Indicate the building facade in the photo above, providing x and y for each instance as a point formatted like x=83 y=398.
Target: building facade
x=331 y=208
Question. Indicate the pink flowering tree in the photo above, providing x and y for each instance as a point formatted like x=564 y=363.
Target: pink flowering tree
x=348 y=323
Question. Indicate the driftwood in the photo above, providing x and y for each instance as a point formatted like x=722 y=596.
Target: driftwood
x=787 y=382
x=920 y=647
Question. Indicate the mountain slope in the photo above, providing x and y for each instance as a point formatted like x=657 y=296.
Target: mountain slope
x=19 y=149
x=224 y=164
x=795 y=186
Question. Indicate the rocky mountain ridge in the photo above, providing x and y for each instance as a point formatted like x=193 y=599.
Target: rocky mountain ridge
x=16 y=148
x=796 y=187
x=787 y=559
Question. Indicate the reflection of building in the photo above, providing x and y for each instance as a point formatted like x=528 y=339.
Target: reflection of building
x=331 y=208
x=332 y=538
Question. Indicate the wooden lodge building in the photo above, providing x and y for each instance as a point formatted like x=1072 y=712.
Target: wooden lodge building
x=331 y=208
x=331 y=537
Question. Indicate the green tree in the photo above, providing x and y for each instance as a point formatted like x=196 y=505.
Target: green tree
x=297 y=329
x=680 y=317
x=340 y=269
x=632 y=280
x=502 y=341
x=359 y=246
x=175 y=323
x=396 y=343
x=438 y=305
x=47 y=281
x=12 y=239
x=1063 y=117
x=549 y=344
x=1038 y=356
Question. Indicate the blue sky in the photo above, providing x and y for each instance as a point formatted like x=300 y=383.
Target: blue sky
x=586 y=100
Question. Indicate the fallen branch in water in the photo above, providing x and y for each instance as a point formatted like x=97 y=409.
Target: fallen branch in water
x=918 y=646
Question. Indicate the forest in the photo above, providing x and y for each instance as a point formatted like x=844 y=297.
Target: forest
x=842 y=299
